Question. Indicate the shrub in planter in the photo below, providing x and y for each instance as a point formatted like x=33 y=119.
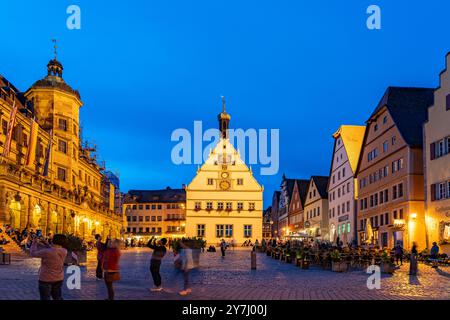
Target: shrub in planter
x=387 y=263
x=337 y=265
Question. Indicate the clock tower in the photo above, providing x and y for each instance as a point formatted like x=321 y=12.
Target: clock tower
x=224 y=200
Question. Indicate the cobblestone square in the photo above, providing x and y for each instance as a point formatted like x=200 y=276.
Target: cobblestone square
x=231 y=278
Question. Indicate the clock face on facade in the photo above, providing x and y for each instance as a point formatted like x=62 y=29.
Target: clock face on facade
x=224 y=185
x=224 y=175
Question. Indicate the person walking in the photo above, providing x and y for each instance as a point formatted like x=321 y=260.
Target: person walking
x=187 y=264
x=223 y=247
x=398 y=252
x=159 y=251
x=110 y=265
x=51 y=272
x=100 y=249
x=434 y=254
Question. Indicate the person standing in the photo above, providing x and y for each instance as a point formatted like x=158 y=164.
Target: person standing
x=413 y=260
x=398 y=251
x=434 y=253
x=51 y=272
x=100 y=249
x=159 y=251
x=187 y=264
x=110 y=265
x=223 y=247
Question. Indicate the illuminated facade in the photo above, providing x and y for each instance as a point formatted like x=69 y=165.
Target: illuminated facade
x=224 y=200
x=48 y=179
x=390 y=170
x=437 y=164
x=342 y=184
x=316 y=209
x=158 y=213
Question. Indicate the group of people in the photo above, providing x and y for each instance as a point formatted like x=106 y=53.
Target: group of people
x=108 y=256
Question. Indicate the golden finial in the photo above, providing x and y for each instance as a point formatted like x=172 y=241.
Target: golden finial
x=55 y=46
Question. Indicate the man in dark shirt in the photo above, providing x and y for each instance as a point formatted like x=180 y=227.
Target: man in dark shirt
x=159 y=251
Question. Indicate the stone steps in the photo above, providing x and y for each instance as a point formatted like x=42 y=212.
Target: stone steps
x=17 y=253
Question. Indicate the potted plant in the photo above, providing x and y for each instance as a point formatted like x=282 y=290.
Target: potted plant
x=337 y=265
x=387 y=263
x=287 y=255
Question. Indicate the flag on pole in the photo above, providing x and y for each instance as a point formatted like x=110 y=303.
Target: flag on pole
x=31 y=153
x=9 y=133
x=48 y=155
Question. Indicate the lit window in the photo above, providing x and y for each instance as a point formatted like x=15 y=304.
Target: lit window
x=247 y=231
x=200 y=230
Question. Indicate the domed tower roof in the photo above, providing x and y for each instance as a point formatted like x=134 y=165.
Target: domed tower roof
x=54 y=78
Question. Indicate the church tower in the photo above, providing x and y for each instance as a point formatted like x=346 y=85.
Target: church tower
x=224 y=200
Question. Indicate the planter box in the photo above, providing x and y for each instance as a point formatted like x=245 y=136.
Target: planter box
x=387 y=268
x=305 y=264
x=339 y=266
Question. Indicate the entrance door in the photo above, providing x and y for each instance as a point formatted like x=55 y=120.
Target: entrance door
x=398 y=237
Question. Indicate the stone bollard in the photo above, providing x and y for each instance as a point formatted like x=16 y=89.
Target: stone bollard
x=253 y=259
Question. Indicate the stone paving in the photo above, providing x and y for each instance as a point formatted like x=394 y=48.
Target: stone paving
x=231 y=278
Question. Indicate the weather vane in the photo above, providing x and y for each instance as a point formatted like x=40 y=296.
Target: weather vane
x=223 y=103
x=55 y=46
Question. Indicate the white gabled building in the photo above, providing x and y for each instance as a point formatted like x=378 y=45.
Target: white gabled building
x=342 y=183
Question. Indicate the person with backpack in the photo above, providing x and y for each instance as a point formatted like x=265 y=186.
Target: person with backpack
x=159 y=251
x=51 y=272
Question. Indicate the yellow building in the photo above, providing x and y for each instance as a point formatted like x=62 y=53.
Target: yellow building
x=155 y=213
x=224 y=200
x=437 y=165
x=48 y=180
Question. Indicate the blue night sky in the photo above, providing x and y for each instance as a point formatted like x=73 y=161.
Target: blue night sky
x=145 y=68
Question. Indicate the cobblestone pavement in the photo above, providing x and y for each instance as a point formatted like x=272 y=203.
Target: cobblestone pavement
x=232 y=278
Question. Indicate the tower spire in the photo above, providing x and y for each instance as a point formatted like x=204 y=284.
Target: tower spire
x=224 y=120
x=55 y=46
x=223 y=104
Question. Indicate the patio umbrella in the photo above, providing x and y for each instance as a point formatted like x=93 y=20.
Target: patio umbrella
x=369 y=231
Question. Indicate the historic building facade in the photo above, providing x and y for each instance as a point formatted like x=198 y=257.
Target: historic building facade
x=48 y=179
x=390 y=170
x=342 y=184
x=437 y=164
x=316 y=208
x=158 y=213
x=296 y=207
x=274 y=213
x=267 y=224
x=224 y=200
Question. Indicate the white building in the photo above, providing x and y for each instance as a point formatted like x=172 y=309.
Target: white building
x=342 y=183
